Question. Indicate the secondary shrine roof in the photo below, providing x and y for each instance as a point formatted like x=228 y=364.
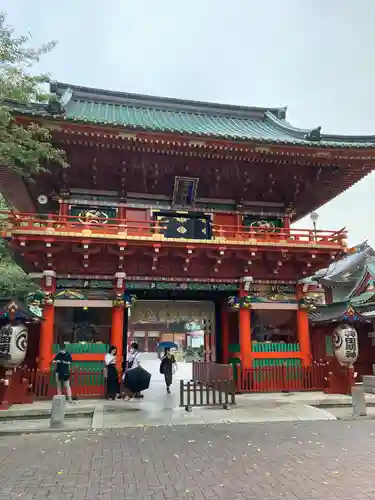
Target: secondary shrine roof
x=197 y=119
x=361 y=308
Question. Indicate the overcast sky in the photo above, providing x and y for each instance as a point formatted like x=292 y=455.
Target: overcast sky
x=315 y=56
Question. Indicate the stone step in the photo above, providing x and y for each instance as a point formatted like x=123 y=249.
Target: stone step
x=369 y=381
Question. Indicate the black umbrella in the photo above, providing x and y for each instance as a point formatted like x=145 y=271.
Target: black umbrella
x=138 y=379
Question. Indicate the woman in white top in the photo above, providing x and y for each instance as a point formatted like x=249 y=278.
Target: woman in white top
x=132 y=362
x=110 y=372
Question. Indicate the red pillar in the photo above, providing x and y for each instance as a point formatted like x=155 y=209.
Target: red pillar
x=118 y=319
x=224 y=331
x=117 y=332
x=47 y=326
x=207 y=341
x=287 y=223
x=244 y=326
x=303 y=333
x=63 y=208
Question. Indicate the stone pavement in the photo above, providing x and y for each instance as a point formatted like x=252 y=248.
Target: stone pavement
x=285 y=461
x=159 y=408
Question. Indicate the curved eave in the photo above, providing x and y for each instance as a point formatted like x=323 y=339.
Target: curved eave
x=326 y=140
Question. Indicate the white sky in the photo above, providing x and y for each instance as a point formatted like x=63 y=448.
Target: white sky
x=316 y=57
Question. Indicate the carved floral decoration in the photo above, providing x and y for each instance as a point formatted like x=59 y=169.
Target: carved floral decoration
x=125 y=300
x=40 y=298
x=236 y=302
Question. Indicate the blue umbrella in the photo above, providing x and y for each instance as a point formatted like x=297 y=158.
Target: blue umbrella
x=167 y=345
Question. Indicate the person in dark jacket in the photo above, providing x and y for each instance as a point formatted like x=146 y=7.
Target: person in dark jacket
x=168 y=367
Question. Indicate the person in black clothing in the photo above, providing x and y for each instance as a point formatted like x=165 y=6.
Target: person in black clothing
x=111 y=374
x=131 y=362
x=168 y=366
x=63 y=360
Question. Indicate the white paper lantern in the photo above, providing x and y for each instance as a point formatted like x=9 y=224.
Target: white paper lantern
x=13 y=344
x=345 y=344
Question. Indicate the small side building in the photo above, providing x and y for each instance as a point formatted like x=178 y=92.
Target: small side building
x=349 y=286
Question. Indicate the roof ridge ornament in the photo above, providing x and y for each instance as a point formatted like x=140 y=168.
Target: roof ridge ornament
x=314 y=134
x=57 y=104
x=281 y=113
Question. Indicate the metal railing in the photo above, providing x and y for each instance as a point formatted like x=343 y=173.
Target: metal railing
x=217 y=393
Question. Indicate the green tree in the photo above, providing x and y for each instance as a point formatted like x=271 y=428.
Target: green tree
x=14 y=282
x=26 y=150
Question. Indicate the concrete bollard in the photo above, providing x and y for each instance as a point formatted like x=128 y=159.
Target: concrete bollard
x=57 y=412
x=359 y=401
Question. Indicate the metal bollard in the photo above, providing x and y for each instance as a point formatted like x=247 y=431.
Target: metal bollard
x=57 y=412
x=359 y=401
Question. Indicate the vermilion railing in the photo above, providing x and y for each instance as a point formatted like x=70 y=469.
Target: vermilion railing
x=74 y=226
x=25 y=386
x=282 y=378
x=84 y=384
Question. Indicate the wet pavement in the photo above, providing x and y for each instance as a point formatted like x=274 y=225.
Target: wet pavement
x=285 y=461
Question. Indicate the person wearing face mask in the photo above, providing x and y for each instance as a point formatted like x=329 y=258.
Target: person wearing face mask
x=63 y=360
x=132 y=362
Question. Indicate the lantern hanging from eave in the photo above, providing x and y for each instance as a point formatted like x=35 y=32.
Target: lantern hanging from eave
x=13 y=344
x=345 y=344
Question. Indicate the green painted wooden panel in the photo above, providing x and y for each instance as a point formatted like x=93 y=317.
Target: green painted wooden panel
x=91 y=366
x=234 y=348
x=329 y=345
x=93 y=372
x=264 y=363
x=275 y=347
x=83 y=348
x=267 y=347
x=234 y=362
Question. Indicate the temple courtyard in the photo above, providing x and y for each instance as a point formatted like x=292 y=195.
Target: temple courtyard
x=284 y=461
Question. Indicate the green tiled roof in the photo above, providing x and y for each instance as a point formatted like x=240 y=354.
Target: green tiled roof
x=190 y=118
x=269 y=129
x=363 y=298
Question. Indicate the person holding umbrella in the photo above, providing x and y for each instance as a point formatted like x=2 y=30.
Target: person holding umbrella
x=136 y=379
x=168 y=367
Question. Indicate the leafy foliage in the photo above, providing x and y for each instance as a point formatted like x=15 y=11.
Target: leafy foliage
x=14 y=283
x=25 y=149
